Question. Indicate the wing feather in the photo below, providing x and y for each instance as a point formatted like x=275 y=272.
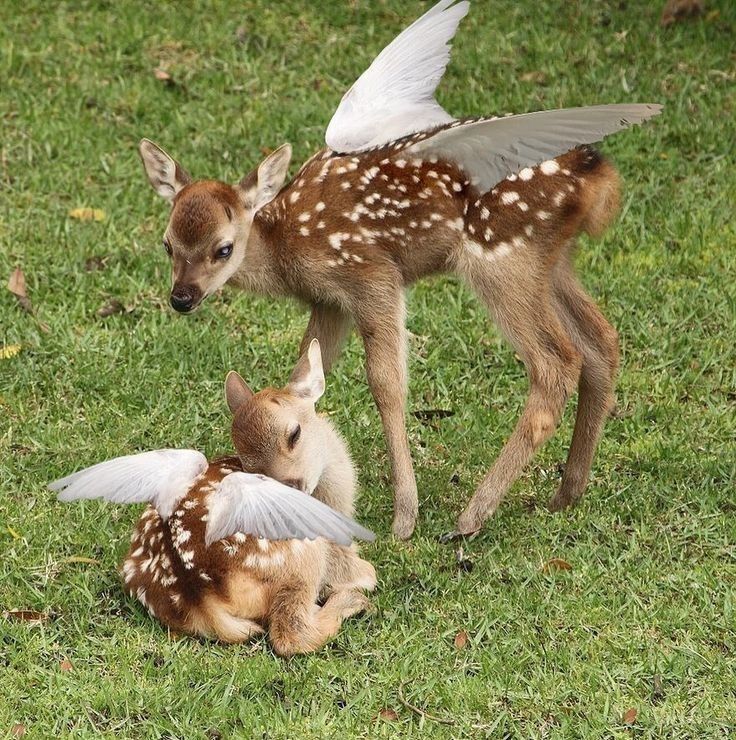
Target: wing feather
x=263 y=507
x=394 y=97
x=490 y=150
x=159 y=477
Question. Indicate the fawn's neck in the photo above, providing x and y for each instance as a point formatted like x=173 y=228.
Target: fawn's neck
x=259 y=271
x=336 y=486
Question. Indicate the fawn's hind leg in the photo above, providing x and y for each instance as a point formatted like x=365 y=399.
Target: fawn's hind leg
x=519 y=300
x=298 y=625
x=598 y=342
x=346 y=569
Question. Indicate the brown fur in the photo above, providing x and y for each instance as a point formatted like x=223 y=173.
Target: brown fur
x=349 y=233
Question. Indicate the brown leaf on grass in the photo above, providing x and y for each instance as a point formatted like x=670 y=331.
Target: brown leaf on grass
x=88 y=214
x=676 y=10
x=17 y=286
x=18 y=730
x=556 y=564
x=390 y=715
x=66 y=665
x=461 y=640
x=26 y=615
x=112 y=307
x=537 y=77
x=630 y=716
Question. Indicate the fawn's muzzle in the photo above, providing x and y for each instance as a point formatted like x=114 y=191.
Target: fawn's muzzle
x=184 y=299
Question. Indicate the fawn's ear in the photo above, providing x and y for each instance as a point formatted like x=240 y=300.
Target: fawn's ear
x=261 y=186
x=166 y=175
x=308 y=378
x=237 y=391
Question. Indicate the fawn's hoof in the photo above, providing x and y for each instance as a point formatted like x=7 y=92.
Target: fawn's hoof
x=565 y=497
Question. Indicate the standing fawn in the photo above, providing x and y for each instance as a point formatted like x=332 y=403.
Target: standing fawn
x=230 y=554
x=404 y=191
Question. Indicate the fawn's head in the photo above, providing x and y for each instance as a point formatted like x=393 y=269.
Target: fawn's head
x=276 y=432
x=210 y=221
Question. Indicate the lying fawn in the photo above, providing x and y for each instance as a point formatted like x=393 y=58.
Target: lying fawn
x=227 y=554
x=404 y=191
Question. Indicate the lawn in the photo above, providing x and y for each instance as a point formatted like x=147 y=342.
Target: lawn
x=645 y=617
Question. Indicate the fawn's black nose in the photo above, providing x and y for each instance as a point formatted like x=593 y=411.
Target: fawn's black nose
x=297 y=483
x=182 y=299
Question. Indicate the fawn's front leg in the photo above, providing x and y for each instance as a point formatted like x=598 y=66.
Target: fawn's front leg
x=384 y=336
x=331 y=327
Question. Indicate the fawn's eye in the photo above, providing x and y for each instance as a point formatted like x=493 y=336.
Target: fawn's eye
x=224 y=252
x=294 y=436
x=167 y=248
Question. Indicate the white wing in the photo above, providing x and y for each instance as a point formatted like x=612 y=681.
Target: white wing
x=263 y=507
x=394 y=97
x=490 y=150
x=160 y=477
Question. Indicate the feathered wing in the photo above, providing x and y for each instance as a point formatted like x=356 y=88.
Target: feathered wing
x=262 y=507
x=160 y=477
x=394 y=97
x=490 y=150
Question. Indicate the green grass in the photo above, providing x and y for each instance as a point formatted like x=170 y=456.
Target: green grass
x=650 y=597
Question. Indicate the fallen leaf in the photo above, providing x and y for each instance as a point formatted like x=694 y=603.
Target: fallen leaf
x=537 y=76
x=630 y=716
x=676 y=10
x=110 y=308
x=17 y=286
x=88 y=214
x=556 y=564
x=389 y=715
x=9 y=350
x=26 y=615
x=18 y=730
x=461 y=640
x=66 y=665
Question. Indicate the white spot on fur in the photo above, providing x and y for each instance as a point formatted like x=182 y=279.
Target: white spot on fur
x=474 y=248
x=488 y=235
x=294 y=197
x=304 y=217
x=304 y=231
x=345 y=185
x=485 y=214
x=512 y=178
x=508 y=198
x=549 y=167
x=321 y=225
x=319 y=207
x=526 y=174
x=522 y=206
x=528 y=229
x=559 y=197
x=543 y=215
